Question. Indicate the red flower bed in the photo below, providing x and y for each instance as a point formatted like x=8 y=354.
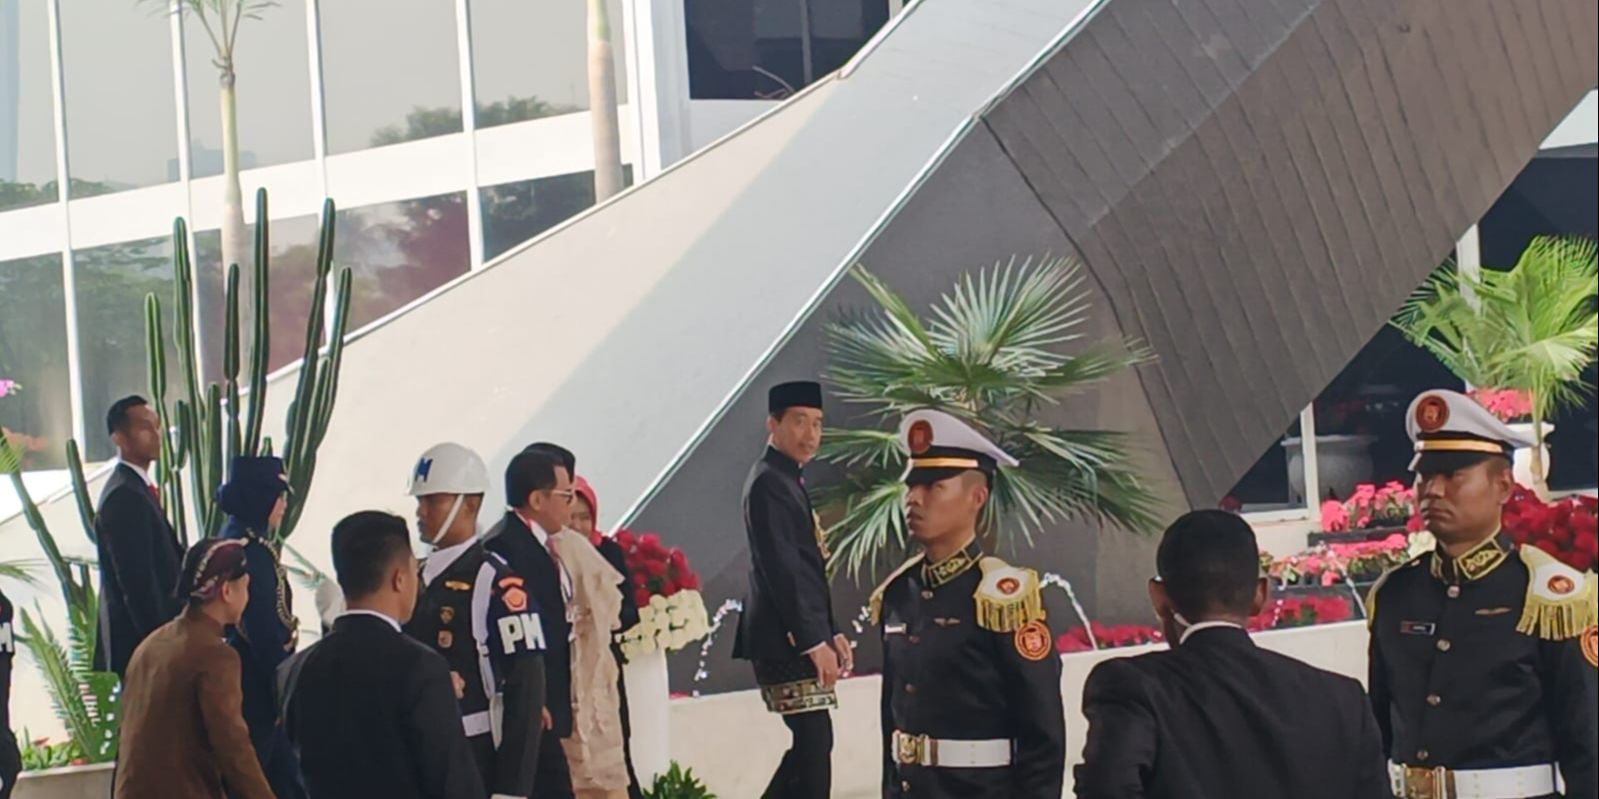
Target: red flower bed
x=655 y=568
x=1279 y=614
x=1567 y=529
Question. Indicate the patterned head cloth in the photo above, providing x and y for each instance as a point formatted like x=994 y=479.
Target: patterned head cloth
x=208 y=565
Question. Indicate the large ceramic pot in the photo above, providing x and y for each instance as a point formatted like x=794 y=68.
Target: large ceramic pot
x=1522 y=460
x=648 y=698
x=1342 y=462
x=72 y=782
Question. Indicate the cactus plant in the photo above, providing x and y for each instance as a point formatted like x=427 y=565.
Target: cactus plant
x=212 y=426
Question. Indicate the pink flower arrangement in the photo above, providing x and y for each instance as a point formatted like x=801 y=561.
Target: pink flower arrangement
x=1329 y=564
x=1507 y=404
x=8 y=387
x=1392 y=505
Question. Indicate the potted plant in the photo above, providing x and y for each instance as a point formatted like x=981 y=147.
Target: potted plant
x=1514 y=408
x=1568 y=529
x=1532 y=329
x=671 y=616
x=989 y=354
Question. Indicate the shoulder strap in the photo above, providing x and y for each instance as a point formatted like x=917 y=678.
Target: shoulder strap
x=1008 y=597
x=875 y=603
x=1561 y=601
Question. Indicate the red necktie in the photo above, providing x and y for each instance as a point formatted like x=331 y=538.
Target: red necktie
x=155 y=494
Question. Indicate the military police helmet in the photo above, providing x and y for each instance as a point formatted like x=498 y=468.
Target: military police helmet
x=449 y=468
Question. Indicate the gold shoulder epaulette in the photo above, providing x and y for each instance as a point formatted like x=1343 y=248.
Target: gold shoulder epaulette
x=1561 y=601
x=1371 y=595
x=1008 y=598
x=874 y=605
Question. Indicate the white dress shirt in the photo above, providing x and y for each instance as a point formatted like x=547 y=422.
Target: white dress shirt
x=365 y=612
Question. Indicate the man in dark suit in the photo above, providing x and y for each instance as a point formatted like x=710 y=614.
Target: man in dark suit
x=370 y=711
x=1217 y=717
x=584 y=517
x=538 y=488
x=787 y=628
x=10 y=756
x=139 y=555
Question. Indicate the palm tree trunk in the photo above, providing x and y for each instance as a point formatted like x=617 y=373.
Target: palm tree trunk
x=1539 y=469
x=235 y=246
x=602 y=104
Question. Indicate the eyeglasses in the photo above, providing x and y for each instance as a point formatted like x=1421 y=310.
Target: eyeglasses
x=564 y=494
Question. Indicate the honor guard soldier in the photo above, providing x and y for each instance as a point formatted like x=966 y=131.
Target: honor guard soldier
x=1482 y=652
x=787 y=628
x=971 y=683
x=478 y=614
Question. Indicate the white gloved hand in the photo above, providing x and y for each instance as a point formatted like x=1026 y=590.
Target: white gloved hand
x=329 y=601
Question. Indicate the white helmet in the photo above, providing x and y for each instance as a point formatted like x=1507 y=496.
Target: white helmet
x=449 y=468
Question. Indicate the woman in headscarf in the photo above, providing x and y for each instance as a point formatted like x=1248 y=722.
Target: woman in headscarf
x=595 y=749
x=255 y=499
x=585 y=520
x=183 y=736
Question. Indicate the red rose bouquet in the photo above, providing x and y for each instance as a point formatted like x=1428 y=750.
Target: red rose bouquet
x=671 y=611
x=1567 y=529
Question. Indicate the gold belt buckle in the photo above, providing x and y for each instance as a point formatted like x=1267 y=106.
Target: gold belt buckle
x=913 y=750
x=1429 y=783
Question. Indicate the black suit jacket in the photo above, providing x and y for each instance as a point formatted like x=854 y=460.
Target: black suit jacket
x=139 y=562
x=788 y=610
x=512 y=540
x=1220 y=718
x=372 y=715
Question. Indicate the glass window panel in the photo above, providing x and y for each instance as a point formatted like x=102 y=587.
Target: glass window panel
x=272 y=90
x=516 y=212
x=291 y=280
x=402 y=85
x=770 y=49
x=27 y=119
x=400 y=251
x=121 y=122
x=35 y=403
x=1270 y=485
x=530 y=60
x=110 y=283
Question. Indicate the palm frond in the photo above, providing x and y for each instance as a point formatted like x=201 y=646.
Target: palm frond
x=990 y=354
x=20 y=570
x=871 y=524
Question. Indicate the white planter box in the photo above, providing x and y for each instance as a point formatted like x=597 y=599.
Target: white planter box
x=72 y=782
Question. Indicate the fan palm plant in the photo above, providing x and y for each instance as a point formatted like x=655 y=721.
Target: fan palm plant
x=1533 y=328
x=990 y=355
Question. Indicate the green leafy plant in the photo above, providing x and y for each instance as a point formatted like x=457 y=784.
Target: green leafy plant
x=84 y=700
x=39 y=753
x=989 y=354
x=1533 y=328
x=678 y=783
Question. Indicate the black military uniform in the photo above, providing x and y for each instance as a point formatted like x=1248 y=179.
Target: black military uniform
x=1483 y=666
x=478 y=614
x=971 y=704
x=10 y=757
x=788 y=611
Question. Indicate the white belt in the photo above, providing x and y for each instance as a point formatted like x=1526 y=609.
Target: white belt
x=479 y=723
x=920 y=750
x=1516 y=782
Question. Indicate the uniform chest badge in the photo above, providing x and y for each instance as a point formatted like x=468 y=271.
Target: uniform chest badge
x=1417 y=628
x=1033 y=641
x=457 y=585
x=1560 y=585
x=446 y=639
x=446 y=615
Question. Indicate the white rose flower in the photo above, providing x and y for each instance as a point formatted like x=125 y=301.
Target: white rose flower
x=658 y=602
